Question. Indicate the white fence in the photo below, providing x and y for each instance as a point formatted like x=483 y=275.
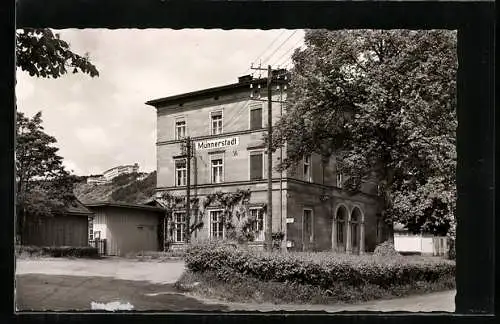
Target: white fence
x=421 y=244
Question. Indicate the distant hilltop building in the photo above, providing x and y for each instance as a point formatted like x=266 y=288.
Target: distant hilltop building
x=108 y=175
x=96 y=179
x=122 y=169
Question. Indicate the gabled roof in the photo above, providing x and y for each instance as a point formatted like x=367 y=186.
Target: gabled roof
x=77 y=208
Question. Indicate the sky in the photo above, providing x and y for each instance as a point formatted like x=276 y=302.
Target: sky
x=103 y=122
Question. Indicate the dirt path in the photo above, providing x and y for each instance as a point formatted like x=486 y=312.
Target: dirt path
x=434 y=302
x=125 y=269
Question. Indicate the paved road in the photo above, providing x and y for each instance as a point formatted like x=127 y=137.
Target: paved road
x=39 y=292
x=126 y=269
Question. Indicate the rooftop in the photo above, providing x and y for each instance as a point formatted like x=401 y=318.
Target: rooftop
x=124 y=205
x=243 y=82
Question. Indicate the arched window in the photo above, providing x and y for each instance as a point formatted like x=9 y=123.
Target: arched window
x=341 y=219
x=355 y=228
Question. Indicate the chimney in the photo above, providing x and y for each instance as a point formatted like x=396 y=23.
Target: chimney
x=245 y=78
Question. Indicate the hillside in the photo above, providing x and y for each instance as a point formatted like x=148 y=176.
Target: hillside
x=124 y=188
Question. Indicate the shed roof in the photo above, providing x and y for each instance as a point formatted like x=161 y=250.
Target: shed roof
x=124 y=205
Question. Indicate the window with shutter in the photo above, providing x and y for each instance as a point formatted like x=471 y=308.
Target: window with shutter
x=256 y=171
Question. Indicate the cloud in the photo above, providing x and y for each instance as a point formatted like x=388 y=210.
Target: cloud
x=93 y=137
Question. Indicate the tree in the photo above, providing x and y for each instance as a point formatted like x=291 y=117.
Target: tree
x=383 y=104
x=42 y=53
x=44 y=187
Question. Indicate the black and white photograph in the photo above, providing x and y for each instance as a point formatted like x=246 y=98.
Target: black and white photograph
x=221 y=170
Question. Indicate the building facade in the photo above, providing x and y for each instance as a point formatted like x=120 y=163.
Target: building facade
x=226 y=125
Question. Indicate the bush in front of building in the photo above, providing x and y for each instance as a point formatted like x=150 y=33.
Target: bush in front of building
x=324 y=270
x=57 y=251
x=386 y=249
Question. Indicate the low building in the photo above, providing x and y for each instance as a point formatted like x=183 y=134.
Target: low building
x=68 y=228
x=126 y=228
x=226 y=125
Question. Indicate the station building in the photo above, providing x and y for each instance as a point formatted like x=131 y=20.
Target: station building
x=226 y=125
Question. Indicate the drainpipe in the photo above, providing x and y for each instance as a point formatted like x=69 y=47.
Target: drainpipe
x=281 y=180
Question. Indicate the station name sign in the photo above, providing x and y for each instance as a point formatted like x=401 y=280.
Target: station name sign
x=217 y=143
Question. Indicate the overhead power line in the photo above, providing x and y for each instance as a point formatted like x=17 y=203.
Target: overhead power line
x=279 y=61
x=270 y=56
x=268 y=47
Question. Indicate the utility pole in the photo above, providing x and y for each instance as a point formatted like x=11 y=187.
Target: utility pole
x=269 y=211
x=269 y=216
x=188 y=189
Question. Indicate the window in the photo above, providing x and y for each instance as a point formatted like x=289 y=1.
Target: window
x=180 y=172
x=308 y=225
x=179 y=226
x=91 y=228
x=216 y=119
x=258 y=228
x=97 y=235
x=217 y=170
x=307 y=168
x=217 y=226
x=180 y=129
x=256 y=166
x=339 y=180
x=256 y=116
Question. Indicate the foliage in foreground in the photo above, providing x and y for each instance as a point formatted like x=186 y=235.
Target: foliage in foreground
x=324 y=270
x=41 y=53
x=57 y=251
x=245 y=289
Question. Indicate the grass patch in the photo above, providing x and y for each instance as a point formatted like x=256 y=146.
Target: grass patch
x=158 y=256
x=243 y=289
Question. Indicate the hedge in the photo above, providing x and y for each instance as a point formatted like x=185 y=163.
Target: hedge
x=318 y=269
x=58 y=251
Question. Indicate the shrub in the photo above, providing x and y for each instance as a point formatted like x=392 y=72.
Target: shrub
x=316 y=269
x=58 y=251
x=386 y=249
